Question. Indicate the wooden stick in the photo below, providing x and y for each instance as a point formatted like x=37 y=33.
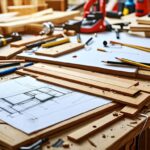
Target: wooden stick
x=132 y=46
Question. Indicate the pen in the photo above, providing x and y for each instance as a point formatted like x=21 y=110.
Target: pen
x=88 y=41
x=121 y=63
x=11 y=70
x=133 y=63
x=3 y=65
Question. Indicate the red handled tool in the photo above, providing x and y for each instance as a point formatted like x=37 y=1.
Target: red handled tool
x=94 y=15
x=142 y=7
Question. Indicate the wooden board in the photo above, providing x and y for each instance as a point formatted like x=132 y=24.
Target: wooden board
x=81 y=80
x=18 y=18
x=60 y=50
x=136 y=101
x=10 y=52
x=3 y=6
x=95 y=126
x=139 y=27
x=15 y=138
x=130 y=111
x=104 y=78
x=23 y=9
x=144 y=20
x=143 y=74
x=29 y=40
x=55 y=17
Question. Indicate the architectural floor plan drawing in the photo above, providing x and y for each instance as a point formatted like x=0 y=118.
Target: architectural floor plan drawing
x=31 y=105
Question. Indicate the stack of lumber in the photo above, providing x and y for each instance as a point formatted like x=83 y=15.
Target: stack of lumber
x=18 y=23
x=141 y=25
x=133 y=94
x=22 y=6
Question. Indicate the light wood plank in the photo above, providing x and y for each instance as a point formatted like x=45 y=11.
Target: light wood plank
x=95 y=126
x=104 y=78
x=136 y=101
x=60 y=50
x=82 y=80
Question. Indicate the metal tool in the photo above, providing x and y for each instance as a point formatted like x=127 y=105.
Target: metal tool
x=35 y=146
x=15 y=36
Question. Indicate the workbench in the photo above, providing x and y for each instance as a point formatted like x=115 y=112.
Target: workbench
x=124 y=134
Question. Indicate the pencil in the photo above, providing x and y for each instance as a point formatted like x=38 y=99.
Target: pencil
x=121 y=63
x=133 y=63
x=147 y=49
x=102 y=50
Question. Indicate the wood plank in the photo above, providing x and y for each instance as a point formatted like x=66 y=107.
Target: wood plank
x=143 y=74
x=17 y=18
x=104 y=78
x=3 y=5
x=30 y=40
x=60 y=50
x=95 y=126
x=136 y=101
x=17 y=2
x=15 y=138
x=10 y=52
x=12 y=61
x=139 y=27
x=23 y=9
x=24 y=72
x=55 y=17
x=130 y=111
x=82 y=80
x=143 y=20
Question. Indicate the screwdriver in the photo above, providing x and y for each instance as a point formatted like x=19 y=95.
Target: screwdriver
x=14 y=37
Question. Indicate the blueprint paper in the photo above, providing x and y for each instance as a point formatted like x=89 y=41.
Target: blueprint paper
x=30 y=105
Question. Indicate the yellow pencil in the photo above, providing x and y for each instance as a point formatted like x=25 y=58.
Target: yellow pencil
x=133 y=63
x=55 y=43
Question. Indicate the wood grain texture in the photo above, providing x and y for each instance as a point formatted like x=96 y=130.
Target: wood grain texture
x=55 y=17
x=95 y=126
x=136 y=101
x=105 y=78
x=10 y=52
x=60 y=50
x=81 y=80
x=28 y=41
x=15 y=138
x=130 y=111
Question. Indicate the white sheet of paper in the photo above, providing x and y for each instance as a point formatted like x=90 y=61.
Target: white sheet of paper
x=21 y=108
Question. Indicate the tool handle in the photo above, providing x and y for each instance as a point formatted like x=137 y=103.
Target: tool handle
x=55 y=43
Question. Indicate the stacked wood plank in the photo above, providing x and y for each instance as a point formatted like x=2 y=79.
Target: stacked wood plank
x=141 y=25
x=17 y=24
x=126 y=92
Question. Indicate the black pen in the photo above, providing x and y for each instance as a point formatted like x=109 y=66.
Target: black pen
x=88 y=41
x=121 y=63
